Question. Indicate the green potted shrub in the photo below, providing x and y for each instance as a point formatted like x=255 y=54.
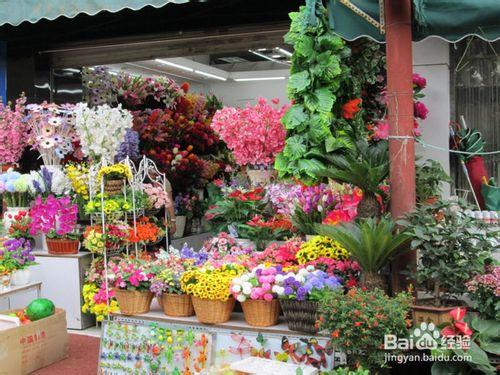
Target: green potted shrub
x=358 y=320
x=429 y=177
x=373 y=243
x=452 y=248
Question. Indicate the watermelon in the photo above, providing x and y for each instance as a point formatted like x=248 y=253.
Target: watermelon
x=40 y=308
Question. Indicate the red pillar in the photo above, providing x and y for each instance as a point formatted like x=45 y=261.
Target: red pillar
x=400 y=117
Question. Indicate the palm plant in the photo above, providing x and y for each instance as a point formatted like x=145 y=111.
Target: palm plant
x=366 y=167
x=373 y=243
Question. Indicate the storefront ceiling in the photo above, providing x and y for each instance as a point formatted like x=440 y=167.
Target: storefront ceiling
x=15 y=12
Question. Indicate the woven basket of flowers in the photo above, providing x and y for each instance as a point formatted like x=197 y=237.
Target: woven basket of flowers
x=133 y=302
x=176 y=304
x=115 y=177
x=213 y=311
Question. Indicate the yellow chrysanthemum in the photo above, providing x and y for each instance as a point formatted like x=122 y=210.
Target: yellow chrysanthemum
x=321 y=246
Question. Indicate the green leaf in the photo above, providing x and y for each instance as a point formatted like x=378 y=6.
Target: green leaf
x=311 y=102
x=311 y=167
x=298 y=82
x=305 y=46
x=318 y=132
x=280 y=163
x=294 y=117
x=325 y=99
x=334 y=144
x=295 y=147
x=330 y=42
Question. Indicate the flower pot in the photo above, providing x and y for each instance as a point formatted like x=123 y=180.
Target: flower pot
x=10 y=214
x=113 y=187
x=260 y=313
x=260 y=177
x=245 y=243
x=176 y=304
x=213 y=311
x=5 y=282
x=58 y=246
x=300 y=315
x=428 y=314
x=133 y=302
x=20 y=277
x=180 y=224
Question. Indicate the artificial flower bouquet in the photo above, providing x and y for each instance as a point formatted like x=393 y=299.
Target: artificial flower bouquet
x=131 y=280
x=20 y=225
x=313 y=203
x=255 y=290
x=116 y=206
x=321 y=247
x=52 y=131
x=20 y=251
x=15 y=189
x=210 y=291
x=282 y=197
x=166 y=284
x=78 y=174
x=113 y=240
x=114 y=178
x=281 y=254
x=14 y=132
x=262 y=230
x=146 y=232
x=157 y=197
x=56 y=218
x=50 y=180
x=300 y=292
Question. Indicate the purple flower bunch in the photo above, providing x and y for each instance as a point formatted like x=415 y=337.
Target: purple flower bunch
x=53 y=216
x=19 y=250
x=129 y=147
x=305 y=284
x=316 y=198
x=199 y=257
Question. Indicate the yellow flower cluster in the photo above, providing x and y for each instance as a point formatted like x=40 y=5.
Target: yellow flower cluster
x=210 y=283
x=117 y=170
x=111 y=205
x=321 y=246
x=100 y=310
x=94 y=242
x=78 y=175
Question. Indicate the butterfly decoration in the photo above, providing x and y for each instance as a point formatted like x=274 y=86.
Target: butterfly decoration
x=316 y=354
x=282 y=357
x=295 y=351
x=169 y=354
x=244 y=346
x=260 y=353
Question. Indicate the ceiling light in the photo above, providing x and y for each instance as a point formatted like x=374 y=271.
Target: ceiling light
x=173 y=65
x=267 y=57
x=210 y=75
x=259 y=79
x=284 y=51
x=276 y=56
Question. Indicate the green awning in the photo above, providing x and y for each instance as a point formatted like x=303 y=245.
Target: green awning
x=14 y=12
x=451 y=20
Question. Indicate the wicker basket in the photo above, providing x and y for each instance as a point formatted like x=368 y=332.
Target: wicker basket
x=300 y=315
x=113 y=187
x=176 y=304
x=213 y=311
x=58 y=246
x=133 y=302
x=260 y=313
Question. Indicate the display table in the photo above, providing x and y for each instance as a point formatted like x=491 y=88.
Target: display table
x=183 y=343
x=62 y=279
x=15 y=290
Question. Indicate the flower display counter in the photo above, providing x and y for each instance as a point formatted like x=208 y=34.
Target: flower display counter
x=156 y=343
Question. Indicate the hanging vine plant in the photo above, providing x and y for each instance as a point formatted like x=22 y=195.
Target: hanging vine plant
x=318 y=76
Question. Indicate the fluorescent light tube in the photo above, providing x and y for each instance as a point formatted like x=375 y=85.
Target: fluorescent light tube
x=259 y=79
x=284 y=51
x=210 y=75
x=173 y=65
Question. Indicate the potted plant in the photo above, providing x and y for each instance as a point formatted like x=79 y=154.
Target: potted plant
x=357 y=322
x=372 y=243
x=15 y=190
x=210 y=290
x=166 y=285
x=484 y=292
x=257 y=295
x=130 y=279
x=114 y=177
x=366 y=167
x=299 y=294
x=452 y=248
x=57 y=219
x=428 y=179
x=255 y=135
x=19 y=250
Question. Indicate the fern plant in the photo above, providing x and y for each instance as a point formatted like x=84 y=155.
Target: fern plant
x=367 y=167
x=373 y=243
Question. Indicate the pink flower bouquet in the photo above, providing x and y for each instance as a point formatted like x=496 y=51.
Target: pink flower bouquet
x=129 y=274
x=14 y=132
x=256 y=285
x=55 y=217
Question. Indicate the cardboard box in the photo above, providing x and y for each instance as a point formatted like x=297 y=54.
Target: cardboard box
x=29 y=347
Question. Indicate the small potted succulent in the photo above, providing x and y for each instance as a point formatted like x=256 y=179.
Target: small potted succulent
x=299 y=294
x=452 y=250
x=259 y=301
x=130 y=279
x=57 y=219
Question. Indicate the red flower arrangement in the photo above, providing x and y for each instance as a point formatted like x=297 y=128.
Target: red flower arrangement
x=146 y=232
x=350 y=108
x=252 y=195
x=284 y=255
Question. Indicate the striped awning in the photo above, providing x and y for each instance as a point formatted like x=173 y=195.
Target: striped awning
x=15 y=12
